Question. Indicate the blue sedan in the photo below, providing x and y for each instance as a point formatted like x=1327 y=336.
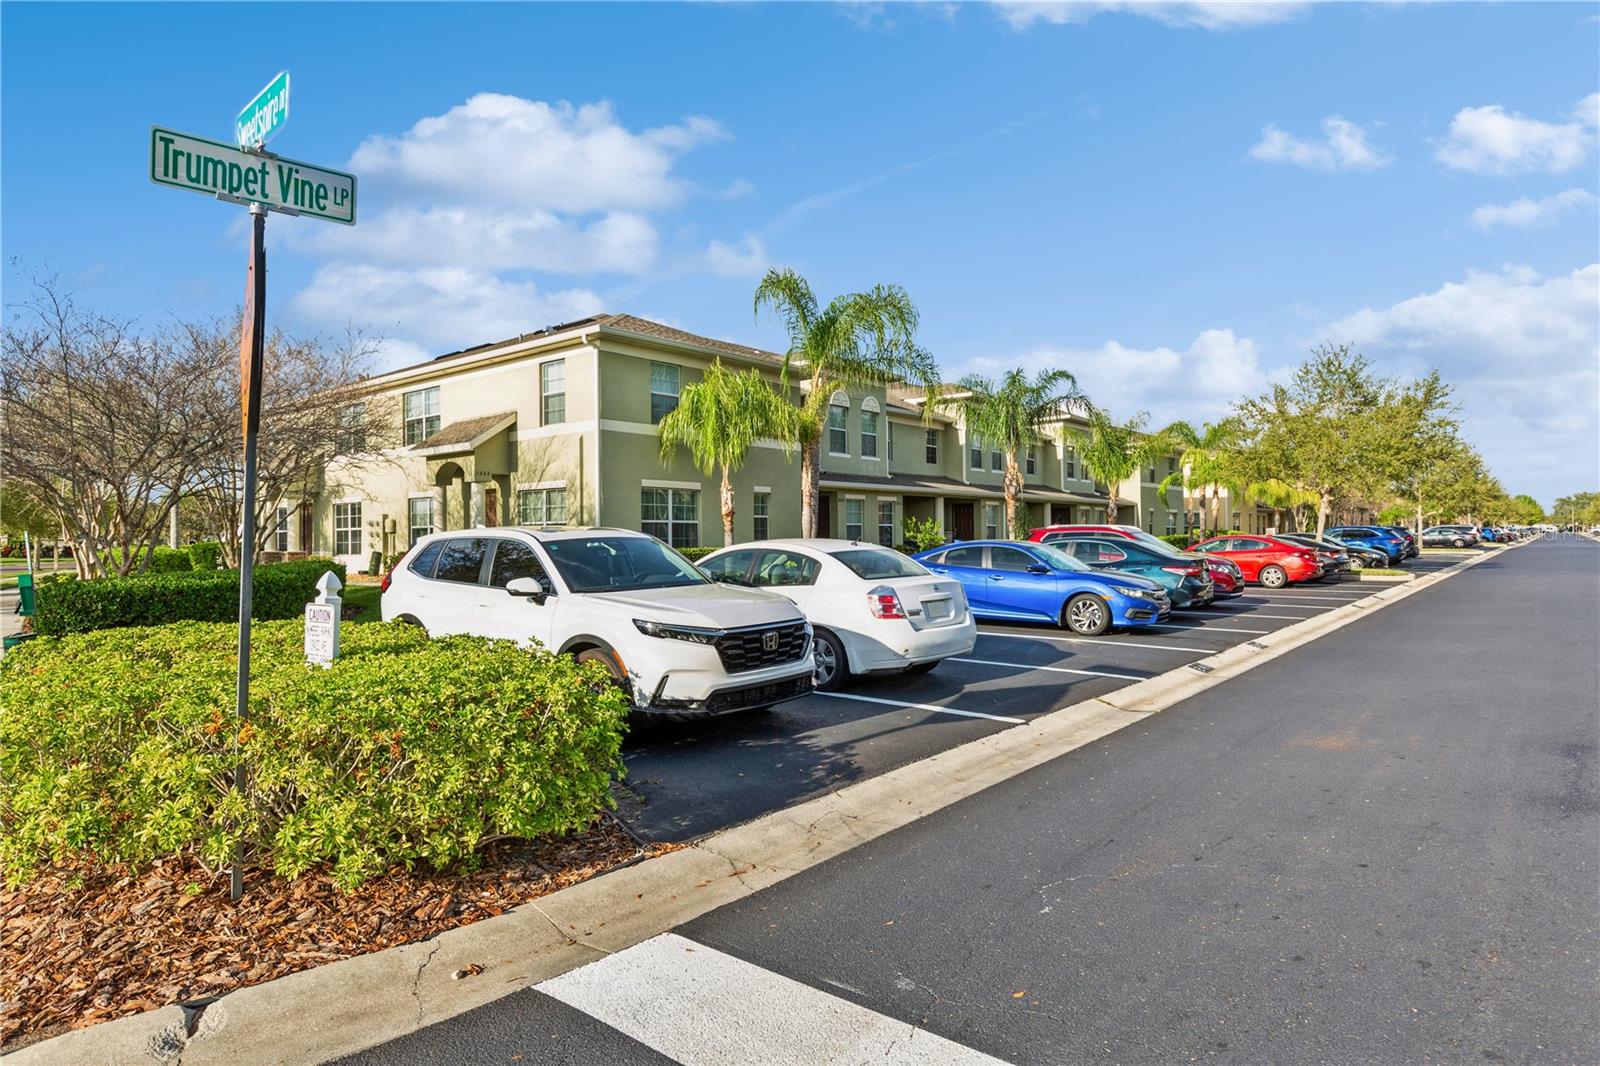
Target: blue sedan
x=1021 y=580
x=1391 y=544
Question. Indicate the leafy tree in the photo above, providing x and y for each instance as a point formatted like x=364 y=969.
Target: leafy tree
x=1112 y=452
x=719 y=419
x=858 y=340
x=1011 y=415
x=1581 y=508
x=1529 y=511
x=1318 y=431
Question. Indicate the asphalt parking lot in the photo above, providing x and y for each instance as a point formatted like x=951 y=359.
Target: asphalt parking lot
x=688 y=780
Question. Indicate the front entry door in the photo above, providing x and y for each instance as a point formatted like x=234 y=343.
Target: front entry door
x=824 y=514
x=959 y=515
x=491 y=506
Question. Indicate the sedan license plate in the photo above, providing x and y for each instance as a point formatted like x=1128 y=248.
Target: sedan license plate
x=937 y=610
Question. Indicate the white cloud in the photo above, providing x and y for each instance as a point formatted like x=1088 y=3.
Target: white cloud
x=1196 y=384
x=492 y=239
x=1527 y=213
x=1492 y=140
x=447 y=308
x=1343 y=146
x=529 y=153
x=747 y=259
x=1525 y=351
x=1020 y=15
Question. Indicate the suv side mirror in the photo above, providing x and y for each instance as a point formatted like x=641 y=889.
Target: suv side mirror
x=529 y=587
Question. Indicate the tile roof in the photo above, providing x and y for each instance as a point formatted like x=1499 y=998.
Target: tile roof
x=466 y=433
x=645 y=327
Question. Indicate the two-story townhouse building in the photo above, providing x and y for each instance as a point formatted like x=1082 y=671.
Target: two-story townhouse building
x=558 y=428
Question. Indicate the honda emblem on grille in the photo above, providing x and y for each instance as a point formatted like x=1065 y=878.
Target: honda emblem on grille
x=769 y=642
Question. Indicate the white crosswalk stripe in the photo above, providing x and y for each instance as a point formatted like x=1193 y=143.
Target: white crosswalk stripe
x=703 y=1007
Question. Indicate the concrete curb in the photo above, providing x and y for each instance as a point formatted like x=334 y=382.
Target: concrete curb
x=357 y=1003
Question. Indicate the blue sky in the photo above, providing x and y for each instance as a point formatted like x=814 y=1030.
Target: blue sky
x=1173 y=202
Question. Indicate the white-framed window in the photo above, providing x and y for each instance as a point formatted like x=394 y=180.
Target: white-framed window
x=671 y=514
x=542 y=507
x=886 y=523
x=997 y=460
x=552 y=392
x=991 y=521
x=419 y=517
x=280 y=531
x=890 y=435
x=869 y=434
x=1152 y=476
x=421 y=412
x=1069 y=462
x=350 y=432
x=930 y=447
x=347 y=530
x=664 y=389
x=854 y=507
x=760 y=508
x=975 y=453
x=1172 y=465
x=1033 y=459
x=838 y=428
x=1172 y=523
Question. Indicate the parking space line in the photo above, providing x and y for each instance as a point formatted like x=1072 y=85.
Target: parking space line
x=1297 y=596
x=928 y=706
x=1281 y=606
x=1096 y=640
x=1212 y=628
x=1279 y=617
x=1052 y=669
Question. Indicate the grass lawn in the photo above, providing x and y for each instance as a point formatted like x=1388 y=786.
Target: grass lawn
x=361 y=603
x=1384 y=571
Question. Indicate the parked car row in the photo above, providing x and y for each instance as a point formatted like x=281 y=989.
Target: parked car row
x=757 y=624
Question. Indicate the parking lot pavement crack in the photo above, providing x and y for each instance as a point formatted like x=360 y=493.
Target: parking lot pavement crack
x=736 y=869
x=906 y=984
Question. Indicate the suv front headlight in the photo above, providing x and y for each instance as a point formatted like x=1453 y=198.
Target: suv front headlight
x=693 y=634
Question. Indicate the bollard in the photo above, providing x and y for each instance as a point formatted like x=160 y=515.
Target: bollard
x=322 y=622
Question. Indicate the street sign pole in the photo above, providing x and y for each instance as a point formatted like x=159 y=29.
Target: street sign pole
x=250 y=360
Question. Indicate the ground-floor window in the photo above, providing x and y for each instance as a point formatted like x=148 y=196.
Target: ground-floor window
x=759 y=508
x=419 y=517
x=991 y=521
x=280 y=532
x=886 y=523
x=853 y=511
x=672 y=515
x=542 y=507
x=1172 y=523
x=347 y=529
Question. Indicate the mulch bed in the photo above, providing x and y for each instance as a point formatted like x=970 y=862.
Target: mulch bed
x=80 y=945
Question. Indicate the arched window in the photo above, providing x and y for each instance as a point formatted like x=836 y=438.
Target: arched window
x=869 y=427
x=838 y=419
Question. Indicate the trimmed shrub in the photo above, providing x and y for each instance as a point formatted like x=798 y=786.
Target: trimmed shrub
x=163 y=561
x=280 y=590
x=692 y=554
x=205 y=555
x=120 y=746
x=1181 y=540
x=923 y=534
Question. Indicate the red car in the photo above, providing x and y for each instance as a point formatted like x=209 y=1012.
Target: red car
x=1226 y=577
x=1266 y=561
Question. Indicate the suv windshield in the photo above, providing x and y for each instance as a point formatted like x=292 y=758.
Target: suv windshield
x=874 y=564
x=620 y=564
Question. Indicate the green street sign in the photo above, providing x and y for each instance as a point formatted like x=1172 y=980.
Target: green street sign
x=185 y=161
x=265 y=115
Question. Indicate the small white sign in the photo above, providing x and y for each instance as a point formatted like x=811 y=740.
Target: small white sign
x=322 y=622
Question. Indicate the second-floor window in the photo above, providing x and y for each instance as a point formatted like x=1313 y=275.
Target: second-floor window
x=663 y=390
x=975 y=453
x=869 y=434
x=1172 y=464
x=1152 y=473
x=1069 y=463
x=421 y=411
x=930 y=447
x=350 y=432
x=997 y=460
x=838 y=434
x=1033 y=459
x=553 y=392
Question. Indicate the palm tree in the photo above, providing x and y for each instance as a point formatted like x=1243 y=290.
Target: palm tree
x=719 y=419
x=1112 y=452
x=1203 y=461
x=859 y=339
x=1012 y=415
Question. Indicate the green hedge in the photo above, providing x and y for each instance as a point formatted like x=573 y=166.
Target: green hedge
x=1181 y=540
x=205 y=555
x=280 y=590
x=692 y=554
x=163 y=561
x=119 y=747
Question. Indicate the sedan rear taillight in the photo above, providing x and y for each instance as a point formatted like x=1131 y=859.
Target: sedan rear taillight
x=884 y=602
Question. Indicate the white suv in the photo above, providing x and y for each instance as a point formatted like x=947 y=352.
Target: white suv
x=682 y=645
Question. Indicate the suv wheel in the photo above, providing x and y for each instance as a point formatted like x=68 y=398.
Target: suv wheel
x=832 y=666
x=1459 y=543
x=1086 y=615
x=1273 y=577
x=595 y=655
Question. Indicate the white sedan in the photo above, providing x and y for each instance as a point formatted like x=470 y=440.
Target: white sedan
x=873 y=610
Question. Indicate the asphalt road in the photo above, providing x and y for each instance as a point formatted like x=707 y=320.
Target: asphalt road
x=1379 y=848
